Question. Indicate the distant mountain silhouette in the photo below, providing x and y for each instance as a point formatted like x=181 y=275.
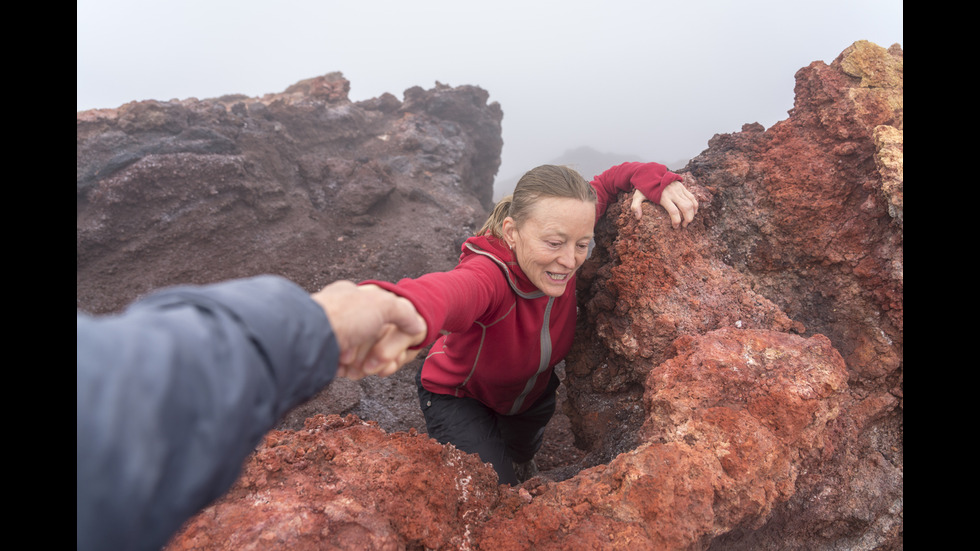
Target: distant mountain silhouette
x=586 y=160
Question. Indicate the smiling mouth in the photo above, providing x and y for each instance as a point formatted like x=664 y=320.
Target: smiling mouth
x=557 y=277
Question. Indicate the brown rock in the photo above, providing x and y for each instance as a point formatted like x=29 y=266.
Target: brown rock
x=303 y=184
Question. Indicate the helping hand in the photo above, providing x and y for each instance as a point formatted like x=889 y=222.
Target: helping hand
x=374 y=328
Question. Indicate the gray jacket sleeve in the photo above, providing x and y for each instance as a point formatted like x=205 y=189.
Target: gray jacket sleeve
x=175 y=392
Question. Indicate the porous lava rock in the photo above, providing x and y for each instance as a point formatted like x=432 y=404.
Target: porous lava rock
x=729 y=418
x=800 y=231
x=342 y=483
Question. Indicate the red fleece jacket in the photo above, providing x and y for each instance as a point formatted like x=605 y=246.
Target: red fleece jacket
x=497 y=337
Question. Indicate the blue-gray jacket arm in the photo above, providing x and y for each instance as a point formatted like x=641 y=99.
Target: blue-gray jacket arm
x=174 y=393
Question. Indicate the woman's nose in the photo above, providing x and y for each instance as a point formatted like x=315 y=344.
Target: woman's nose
x=567 y=257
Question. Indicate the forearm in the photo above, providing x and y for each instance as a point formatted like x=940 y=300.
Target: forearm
x=649 y=178
x=173 y=394
x=450 y=301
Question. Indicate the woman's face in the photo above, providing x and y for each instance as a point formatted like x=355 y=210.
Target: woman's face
x=553 y=242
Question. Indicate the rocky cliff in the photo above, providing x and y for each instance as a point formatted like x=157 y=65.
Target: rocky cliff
x=800 y=232
x=305 y=184
x=735 y=385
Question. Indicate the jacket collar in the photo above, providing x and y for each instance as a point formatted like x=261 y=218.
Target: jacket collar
x=498 y=251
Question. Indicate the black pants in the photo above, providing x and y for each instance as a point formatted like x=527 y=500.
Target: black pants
x=473 y=427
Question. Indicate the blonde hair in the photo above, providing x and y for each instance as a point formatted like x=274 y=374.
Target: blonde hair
x=538 y=183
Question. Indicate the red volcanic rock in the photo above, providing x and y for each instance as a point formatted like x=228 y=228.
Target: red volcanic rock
x=800 y=230
x=646 y=286
x=341 y=483
x=729 y=419
x=811 y=208
x=814 y=218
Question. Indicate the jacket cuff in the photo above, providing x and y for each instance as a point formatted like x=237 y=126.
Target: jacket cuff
x=652 y=178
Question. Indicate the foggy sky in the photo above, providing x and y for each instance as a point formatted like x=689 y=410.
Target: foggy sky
x=654 y=79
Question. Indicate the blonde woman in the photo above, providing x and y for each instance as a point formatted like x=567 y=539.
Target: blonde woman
x=505 y=316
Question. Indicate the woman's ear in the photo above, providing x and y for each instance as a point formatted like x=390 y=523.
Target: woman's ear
x=509 y=229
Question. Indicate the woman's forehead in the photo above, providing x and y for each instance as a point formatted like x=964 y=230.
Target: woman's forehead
x=564 y=216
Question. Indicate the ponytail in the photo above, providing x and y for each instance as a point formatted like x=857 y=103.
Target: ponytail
x=494 y=224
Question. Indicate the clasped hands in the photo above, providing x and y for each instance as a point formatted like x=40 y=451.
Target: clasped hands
x=375 y=328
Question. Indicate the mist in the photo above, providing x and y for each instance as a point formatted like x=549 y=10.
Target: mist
x=652 y=79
